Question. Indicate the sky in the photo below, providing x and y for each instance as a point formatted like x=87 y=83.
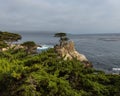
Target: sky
x=72 y=16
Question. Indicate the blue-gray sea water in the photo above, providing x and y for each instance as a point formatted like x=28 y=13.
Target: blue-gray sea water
x=103 y=50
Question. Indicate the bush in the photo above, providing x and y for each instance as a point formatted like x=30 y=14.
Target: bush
x=45 y=74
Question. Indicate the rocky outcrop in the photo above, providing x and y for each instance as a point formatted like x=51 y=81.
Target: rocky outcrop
x=13 y=46
x=68 y=51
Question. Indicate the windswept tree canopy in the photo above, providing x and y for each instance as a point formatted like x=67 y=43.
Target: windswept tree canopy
x=9 y=37
x=60 y=34
x=6 y=38
x=63 y=37
x=29 y=45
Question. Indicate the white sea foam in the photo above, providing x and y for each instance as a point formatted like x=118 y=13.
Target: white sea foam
x=44 y=47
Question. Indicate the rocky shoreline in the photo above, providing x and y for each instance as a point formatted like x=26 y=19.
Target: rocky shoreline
x=68 y=52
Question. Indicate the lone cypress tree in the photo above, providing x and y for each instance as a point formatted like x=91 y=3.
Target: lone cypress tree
x=63 y=37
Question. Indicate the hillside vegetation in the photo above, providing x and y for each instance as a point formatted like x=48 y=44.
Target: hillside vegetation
x=46 y=74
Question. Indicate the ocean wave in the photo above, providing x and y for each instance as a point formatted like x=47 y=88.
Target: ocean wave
x=44 y=47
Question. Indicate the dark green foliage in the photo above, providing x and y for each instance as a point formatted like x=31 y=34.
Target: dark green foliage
x=30 y=46
x=45 y=74
x=3 y=45
x=60 y=34
x=9 y=37
x=63 y=38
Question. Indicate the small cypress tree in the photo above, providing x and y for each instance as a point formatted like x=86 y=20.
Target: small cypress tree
x=30 y=46
x=63 y=37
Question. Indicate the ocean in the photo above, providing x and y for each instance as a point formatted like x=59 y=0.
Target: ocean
x=103 y=50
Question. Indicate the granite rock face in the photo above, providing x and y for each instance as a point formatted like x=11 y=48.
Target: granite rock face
x=68 y=51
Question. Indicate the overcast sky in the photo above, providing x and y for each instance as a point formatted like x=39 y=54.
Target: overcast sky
x=75 y=16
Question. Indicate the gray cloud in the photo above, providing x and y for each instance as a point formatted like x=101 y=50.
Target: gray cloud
x=80 y=16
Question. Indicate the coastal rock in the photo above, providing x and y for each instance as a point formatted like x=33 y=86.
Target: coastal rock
x=68 y=51
x=13 y=46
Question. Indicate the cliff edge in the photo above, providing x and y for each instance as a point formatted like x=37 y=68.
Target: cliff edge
x=68 y=51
